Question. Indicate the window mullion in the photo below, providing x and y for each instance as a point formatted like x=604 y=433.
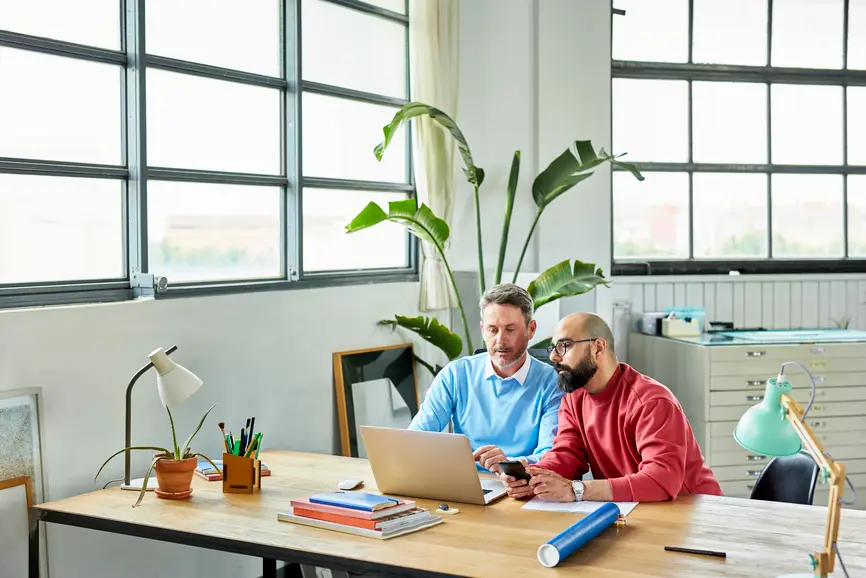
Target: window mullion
x=291 y=142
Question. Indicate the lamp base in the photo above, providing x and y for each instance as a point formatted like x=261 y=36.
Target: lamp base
x=137 y=483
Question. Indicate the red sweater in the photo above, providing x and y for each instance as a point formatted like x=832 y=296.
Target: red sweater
x=633 y=433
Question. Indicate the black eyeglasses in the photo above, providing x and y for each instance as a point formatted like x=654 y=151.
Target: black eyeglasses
x=561 y=346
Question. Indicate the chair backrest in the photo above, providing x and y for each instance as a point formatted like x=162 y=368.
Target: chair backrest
x=790 y=479
x=539 y=354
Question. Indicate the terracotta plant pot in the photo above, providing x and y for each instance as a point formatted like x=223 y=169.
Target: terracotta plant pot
x=174 y=478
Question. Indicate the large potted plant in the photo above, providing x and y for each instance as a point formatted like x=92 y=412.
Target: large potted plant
x=174 y=466
x=565 y=279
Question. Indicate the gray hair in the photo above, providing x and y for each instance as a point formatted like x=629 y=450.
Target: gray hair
x=509 y=294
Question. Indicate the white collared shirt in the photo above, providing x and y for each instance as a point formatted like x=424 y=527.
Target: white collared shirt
x=520 y=376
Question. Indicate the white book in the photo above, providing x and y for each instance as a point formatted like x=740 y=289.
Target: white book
x=380 y=534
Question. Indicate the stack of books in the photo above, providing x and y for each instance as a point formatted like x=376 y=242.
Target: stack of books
x=203 y=469
x=359 y=513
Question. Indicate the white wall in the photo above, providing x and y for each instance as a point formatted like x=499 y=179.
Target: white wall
x=265 y=354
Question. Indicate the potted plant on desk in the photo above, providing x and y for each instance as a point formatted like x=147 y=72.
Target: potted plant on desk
x=174 y=467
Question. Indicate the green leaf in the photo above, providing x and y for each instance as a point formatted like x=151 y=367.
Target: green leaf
x=475 y=175
x=146 y=478
x=173 y=435
x=421 y=222
x=209 y=461
x=117 y=453
x=506 y=222
x=562 y=280
x=182 y=453
x=431 y=330
x=570 y=168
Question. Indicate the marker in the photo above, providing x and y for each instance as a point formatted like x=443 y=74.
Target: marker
x=695 y=551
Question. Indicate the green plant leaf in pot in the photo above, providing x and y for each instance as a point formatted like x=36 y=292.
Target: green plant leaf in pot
x=510 y=193
x=185 y=450
x=431 y=330
x=563 y=280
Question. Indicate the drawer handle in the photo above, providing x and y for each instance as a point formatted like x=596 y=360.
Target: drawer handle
x=817 y=350
x=755 y=458
x=817 y=424
x=755 y=353
x=819 y=378
x=750 y=486
x=753 y=473
x=816 y=364
x=818 y=408
x=756 y=382
x=754 y=397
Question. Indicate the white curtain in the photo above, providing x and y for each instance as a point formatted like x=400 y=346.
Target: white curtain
x=434 y=49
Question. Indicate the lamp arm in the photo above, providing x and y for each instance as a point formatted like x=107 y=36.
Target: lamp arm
x=825 y=559
x=128 y=439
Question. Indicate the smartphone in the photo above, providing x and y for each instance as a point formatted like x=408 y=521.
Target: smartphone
x=515 y=469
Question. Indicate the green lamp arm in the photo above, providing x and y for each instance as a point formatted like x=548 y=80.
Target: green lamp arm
x=824 y=560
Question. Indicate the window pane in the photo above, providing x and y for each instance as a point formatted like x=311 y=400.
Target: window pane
x=857 y=216
x=339 y=137
x=94 y=22
x=201 y=123
x=393 y=5
x=209 y=232
x=731 y=32
x=655 y=31
x=348 y=48
x=806 y=124
x=857 y=34
x=56 y=108
x=730 y=215
x=651 y=119
x=807 y=216
x=808 y=33
x=327 y=245
x=651 y=218
x=856 y=122
x=227 y=33
x=730 y=122
x=60 y=229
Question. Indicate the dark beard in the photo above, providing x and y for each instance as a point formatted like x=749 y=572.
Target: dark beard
x=577 y=377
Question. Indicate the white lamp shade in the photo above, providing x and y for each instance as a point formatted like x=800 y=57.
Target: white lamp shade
x=175 y=383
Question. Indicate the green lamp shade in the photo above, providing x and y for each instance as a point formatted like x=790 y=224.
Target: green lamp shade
x=763 y=429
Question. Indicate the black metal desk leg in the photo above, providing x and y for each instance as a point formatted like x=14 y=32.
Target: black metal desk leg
x=269 y=568
x=34 y=544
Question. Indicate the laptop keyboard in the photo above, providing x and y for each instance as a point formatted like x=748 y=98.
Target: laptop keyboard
x=485 y=491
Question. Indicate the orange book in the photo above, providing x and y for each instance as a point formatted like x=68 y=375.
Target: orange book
x=336 y=518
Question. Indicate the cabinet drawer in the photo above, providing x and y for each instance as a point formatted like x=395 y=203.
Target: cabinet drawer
x=822 y=493
x=765 y=368
x=748 y=472
x=830 y=441
x=797 y=377
x=725 y=429
x=750 y=459
x=802 y=395
x=737 y=488
x=802 y=352
x=819 y=409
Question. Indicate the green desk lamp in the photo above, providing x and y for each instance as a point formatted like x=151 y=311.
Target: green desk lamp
x=775 y=427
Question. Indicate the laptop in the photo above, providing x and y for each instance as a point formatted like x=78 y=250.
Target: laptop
x=431 y=465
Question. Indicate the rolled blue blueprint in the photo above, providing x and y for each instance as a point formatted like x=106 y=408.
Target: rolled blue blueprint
x=569 y=541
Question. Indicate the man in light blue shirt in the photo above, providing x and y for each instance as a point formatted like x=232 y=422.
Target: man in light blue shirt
x=504 y=400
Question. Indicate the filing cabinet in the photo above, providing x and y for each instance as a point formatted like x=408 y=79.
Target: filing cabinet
x=717 y=381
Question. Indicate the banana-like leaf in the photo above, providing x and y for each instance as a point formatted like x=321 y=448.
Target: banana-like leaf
x=510 y=193
x=117 y=453
x=563 y=280
x=421 y=222
x=569 y=169
x=475 y=175
x=185 y=449
x=431 y=330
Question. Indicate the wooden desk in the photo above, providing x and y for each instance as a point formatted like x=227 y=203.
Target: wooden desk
x=760 y=538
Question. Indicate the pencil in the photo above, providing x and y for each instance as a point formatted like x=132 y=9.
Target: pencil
x=222 y=425
x=696 y=551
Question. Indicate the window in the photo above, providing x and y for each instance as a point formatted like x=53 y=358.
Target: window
x=744 y=117
x=231 y=159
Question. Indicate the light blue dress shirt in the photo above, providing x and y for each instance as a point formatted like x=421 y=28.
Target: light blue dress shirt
x=519 y=414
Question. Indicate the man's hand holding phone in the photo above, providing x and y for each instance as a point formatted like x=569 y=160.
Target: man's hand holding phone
x=516 y=478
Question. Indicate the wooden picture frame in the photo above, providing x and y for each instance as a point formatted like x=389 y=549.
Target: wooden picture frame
x=386 y=378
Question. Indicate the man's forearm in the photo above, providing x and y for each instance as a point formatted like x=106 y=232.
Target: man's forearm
x=597 y=491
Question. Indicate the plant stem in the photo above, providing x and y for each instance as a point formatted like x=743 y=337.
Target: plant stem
x=459 y=301
x=526 y=245
x=481 y=282
x=427 y=365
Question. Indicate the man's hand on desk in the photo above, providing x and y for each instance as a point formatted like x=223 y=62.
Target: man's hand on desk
x=489 y=458
x=549 y=485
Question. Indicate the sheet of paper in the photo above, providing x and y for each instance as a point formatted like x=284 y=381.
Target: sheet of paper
x=625 y=508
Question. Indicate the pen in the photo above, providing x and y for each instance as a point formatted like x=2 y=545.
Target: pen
x=258 y=446
x=696 y=551
x=252 y=426
x=243 y=442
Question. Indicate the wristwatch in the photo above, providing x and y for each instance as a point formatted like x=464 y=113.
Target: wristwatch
x=578 y=488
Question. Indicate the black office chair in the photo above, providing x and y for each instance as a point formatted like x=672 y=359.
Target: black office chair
x=539 y=354
x=790 y=479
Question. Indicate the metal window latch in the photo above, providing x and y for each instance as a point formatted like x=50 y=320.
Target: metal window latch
x=148 y=284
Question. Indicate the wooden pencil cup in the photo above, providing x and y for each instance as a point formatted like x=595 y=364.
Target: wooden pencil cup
x=241 y=475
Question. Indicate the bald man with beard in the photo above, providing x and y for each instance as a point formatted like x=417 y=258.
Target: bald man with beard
x=626 y=428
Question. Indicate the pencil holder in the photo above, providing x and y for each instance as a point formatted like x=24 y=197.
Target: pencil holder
x=241 y=475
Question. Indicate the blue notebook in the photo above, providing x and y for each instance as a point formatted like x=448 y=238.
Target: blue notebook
x=355 y=500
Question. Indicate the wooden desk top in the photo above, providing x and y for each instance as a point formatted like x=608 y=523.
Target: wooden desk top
x=760 y=538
